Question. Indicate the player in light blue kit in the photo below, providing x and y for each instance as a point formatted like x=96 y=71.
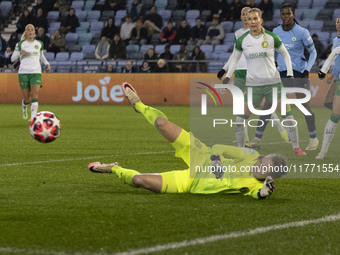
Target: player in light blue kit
x=335 y=117
x=295 y=39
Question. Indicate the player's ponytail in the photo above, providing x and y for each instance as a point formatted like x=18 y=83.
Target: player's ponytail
x=23 y=36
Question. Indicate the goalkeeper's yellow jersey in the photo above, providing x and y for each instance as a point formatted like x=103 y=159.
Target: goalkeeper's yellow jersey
x=237 y=177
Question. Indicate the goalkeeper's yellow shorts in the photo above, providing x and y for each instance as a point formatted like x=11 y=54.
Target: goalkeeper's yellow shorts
x=180 y=181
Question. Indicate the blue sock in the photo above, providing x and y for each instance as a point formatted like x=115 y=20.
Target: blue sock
x=311 y=125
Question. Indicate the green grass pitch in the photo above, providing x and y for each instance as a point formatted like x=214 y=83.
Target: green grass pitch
x=51 y=204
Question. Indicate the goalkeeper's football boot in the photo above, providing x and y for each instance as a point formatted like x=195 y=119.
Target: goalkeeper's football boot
x=299 y=152
x=313 y=144
x=254 y=144
x=24 y=113
x=131 y=94
x=284 y=136
x=97 y=167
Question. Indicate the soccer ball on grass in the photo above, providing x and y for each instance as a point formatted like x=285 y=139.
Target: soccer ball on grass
x=45 y=127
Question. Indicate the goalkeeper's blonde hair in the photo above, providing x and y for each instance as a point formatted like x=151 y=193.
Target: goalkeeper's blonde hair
x=23 y=36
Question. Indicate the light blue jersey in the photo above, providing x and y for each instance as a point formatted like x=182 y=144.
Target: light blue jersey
x=295 y=40
x=336 y=68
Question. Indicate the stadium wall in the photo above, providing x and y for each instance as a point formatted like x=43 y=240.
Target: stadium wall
x=102 y=88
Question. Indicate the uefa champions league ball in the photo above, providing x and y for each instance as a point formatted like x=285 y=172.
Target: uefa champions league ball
x=45 y=127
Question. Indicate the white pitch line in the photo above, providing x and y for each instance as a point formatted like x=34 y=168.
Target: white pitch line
x=210 y=239
x=114 y=155
x=185 y=243
x=92 y=157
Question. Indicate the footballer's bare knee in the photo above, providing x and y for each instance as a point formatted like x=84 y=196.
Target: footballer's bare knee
x=160 y=123
x=148 y=181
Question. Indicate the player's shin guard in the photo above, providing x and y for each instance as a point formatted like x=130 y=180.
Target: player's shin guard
x=292 y=130
x=125 y=174
x=150 y=113
x=329 y=132
x=24 y=110
x=240 y=131
x=277 y=123
x=24 y=104
x=34 y=107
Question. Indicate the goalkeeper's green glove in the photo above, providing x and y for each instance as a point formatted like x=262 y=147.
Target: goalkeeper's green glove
x=267 y=188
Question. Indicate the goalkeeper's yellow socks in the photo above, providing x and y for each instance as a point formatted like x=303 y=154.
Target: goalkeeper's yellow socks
x=125 y=174
x=150 y=113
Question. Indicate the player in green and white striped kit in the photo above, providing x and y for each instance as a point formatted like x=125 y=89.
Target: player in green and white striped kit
x=258 y=46
x=30 y=52
x=241 y=72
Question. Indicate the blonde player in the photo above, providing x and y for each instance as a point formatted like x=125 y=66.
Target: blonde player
x=30 y=52
x=258 y=46
x=240 y=73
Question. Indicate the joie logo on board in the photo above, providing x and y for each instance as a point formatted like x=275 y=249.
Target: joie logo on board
x=92 y=93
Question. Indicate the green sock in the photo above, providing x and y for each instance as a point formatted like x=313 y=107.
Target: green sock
x=125 y=174
x=150 y=113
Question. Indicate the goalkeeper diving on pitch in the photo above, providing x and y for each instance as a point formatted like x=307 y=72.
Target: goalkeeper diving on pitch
x=256 y=182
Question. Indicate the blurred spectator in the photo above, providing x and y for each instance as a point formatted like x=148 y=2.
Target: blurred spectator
x=181 y=55
x=198 y=33
x=110 y=30
x=235 y=8
x=215 y=32
x=115 y=5
x=41 y=36
x=221 y=8
x=145 y=68
x=167 y=55
x=109 y=69
x=45 y=5
x=183 y=32
x=3 y=47
x=169 y=33
x=126 y=29
x=135 y=10
x=102 y=50
x=250 y=4
x=197 y=55
x=99 y=5
x=267 y=8
x=139 y=34
x=199 y=4
x=40 y=20
x=183 y=5
x=153 y=21
x=62 y=5
x=325 y=54
x=57 y=42
x=128 y=68
x=151 y=57
x=70 y=23
x=7 y=57
x=320 y=48
x=13 y=40
x=117 y=48
x=161 y=67
x=25 y=19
